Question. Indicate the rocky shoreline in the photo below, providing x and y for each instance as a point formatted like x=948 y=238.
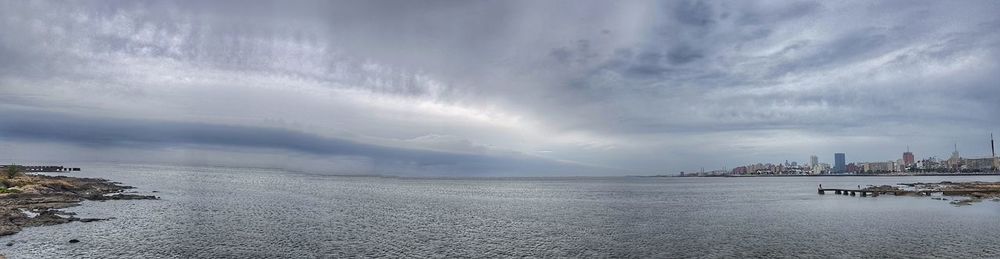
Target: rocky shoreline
x=972 y=191
x=37 y=200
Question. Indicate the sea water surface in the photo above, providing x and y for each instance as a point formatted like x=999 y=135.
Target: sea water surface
x=258 y=213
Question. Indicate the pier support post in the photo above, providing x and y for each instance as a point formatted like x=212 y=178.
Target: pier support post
x=836 y=191
x=852 y=193
x=821 y=192
x=864 y=194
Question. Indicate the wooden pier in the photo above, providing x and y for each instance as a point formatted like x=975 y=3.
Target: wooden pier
x=855 y=192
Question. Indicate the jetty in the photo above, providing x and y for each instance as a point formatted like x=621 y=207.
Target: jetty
x=42 y=168
x=872 y=192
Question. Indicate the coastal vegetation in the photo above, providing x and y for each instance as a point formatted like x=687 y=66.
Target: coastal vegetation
x=11 y=171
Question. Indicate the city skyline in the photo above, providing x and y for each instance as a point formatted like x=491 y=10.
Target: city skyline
x=908 y=162
x=984 y=151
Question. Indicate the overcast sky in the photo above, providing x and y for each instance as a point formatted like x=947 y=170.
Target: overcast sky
x=467 y=88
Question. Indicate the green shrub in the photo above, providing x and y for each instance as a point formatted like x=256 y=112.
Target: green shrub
x=11 y=171
x=5 y=190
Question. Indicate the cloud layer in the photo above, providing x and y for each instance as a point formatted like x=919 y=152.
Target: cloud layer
x=474 y=88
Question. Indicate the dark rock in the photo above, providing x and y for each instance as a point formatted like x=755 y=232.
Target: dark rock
x=9 y=229
x=123 y=197
x=73 y=241
x=963 y=202
x=47 y=218
x=10 y=244
x=85 y=220
x=65 y=213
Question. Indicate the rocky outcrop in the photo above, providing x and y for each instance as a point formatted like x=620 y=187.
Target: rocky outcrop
x=36 y=200
x=972 y=191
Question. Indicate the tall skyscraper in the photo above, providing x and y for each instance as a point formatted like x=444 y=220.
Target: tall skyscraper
x=813 y=161
x=839 y=163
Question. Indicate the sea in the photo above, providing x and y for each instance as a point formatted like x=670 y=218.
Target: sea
x=220 y=212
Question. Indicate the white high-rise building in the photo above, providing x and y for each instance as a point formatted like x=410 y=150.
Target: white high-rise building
x=955 y=162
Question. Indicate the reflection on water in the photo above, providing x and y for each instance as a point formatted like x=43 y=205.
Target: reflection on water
x=236 y=212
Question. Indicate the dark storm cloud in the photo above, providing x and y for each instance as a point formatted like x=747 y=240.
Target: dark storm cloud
x=683 y=54
x=770 y=16
x=694 y=13
x=100 y=133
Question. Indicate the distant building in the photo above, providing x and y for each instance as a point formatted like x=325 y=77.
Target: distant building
x=813 y=161
x=908 y=158
x=879 y=167
x=931 y=163
x=980 y=164
x=839 y=163
x=821 y=168
x=853 y=168
x=955 y=162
